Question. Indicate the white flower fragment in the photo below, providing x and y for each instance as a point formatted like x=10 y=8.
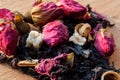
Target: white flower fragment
x=77 y=39
x=34 y=39
x=80 y=34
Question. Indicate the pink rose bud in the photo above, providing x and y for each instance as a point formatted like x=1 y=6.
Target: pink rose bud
x=6 y=14
x=55 y=33
x=8 y=38
x=43 y=13
x=104 y=43
x=72 y=8
x=46 y=65
x=8 y=32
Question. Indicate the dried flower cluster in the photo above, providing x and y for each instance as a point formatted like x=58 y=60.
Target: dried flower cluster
x=57 y=41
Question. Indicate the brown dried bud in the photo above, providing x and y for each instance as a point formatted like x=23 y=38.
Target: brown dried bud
x=22 y=26
x=28 y=17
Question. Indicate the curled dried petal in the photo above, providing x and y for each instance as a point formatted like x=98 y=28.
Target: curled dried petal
x=80 y=34
x=46 y=65
x=83 y=29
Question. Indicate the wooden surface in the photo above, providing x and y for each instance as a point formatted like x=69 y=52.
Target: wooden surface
x=110 y=8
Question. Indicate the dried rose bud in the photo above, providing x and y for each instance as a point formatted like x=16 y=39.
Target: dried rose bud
x=6 y=14
x=28 y=17
x=21 y=26
x=72 y=8
x=8 y=38
x=46 y=65
x=8 y=32
x=18 y=17
x=104 y=43
x=45 y=12
x=55 y=33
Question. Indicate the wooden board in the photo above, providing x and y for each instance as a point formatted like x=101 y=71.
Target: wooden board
x=109 y=8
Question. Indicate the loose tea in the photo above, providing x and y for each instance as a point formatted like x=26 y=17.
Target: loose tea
x=52 y=54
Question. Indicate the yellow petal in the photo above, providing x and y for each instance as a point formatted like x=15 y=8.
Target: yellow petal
x=70 y=58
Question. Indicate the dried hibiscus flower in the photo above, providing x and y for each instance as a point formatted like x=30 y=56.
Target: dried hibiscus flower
x=72 y=8
x=55 y=32
x=104 y=43
x=45 y=12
